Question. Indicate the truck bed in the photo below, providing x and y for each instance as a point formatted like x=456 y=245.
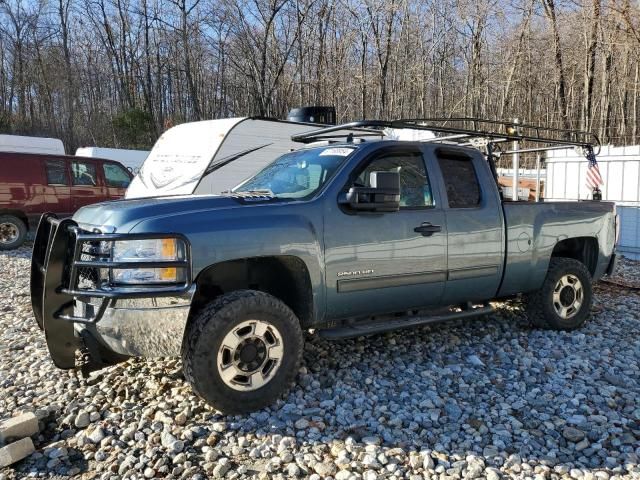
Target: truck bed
x=534 y=229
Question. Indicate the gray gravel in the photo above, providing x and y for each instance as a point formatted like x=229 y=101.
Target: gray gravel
x=489 y=398
x=628 y=272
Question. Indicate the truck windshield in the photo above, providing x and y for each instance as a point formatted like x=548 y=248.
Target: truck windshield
x=297 y=174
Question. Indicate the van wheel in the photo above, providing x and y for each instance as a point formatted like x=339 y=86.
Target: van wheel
x=13 y=232
x=564 y=301
x=242 y=351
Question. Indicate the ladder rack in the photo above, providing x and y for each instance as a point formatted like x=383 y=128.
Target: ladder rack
x=463 y=130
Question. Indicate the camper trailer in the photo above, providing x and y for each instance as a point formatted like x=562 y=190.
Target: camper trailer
x=184 y=157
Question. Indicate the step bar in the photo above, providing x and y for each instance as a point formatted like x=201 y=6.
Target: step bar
x=362 y=329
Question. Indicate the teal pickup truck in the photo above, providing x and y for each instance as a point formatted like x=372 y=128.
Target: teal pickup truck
x=344 y=238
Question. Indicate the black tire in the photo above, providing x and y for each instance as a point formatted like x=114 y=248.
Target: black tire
x=204 y=336
x=11 y=225
x=540 y=305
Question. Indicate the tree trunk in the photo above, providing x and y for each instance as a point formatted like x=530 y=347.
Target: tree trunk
x=562 y=96
x=590 y=66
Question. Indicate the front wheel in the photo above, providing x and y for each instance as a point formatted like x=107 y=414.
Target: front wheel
x=564 y=301
x=242 y=351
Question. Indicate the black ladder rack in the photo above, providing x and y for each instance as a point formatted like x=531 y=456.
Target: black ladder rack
x=460 y=130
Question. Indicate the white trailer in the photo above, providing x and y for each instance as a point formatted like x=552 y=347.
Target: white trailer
x=185 y=157
x=132 y=159
x=23 y=144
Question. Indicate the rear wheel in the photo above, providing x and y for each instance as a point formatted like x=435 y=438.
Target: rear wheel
x=242 y=351
x=564 y=301
x=13 y=232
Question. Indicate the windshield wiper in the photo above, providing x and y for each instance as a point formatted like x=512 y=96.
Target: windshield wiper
x=265 y=192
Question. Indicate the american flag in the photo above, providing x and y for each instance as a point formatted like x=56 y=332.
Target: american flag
x=594 y=179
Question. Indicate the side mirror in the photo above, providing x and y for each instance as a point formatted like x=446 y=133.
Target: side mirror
x=382 y=196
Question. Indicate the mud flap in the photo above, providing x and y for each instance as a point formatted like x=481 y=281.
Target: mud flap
x=613 y=263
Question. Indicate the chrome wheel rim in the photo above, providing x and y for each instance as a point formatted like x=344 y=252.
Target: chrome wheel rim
x=250 y=355
x=9 y=233
x=568 y=296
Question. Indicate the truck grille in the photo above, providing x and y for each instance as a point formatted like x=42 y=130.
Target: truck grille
x=71 y=263
x=90 y=277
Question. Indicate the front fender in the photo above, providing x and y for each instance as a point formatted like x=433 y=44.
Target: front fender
x=217 y=237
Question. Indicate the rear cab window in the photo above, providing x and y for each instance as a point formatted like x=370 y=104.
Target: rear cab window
x=460 y=179
x=84 y=173
x=115 y=175
x=57 y=172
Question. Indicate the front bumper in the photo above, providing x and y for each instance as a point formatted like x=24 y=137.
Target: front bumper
x=126 y=320
x=141 y=327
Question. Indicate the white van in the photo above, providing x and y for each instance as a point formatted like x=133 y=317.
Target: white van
x=132 y=159
x=23 y=144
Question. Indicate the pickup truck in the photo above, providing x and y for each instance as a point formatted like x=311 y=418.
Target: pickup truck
x=342 y=239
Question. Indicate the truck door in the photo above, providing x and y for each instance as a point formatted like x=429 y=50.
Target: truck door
x=85 y=188
x=386 y=262
x=57 y=191
x=475 y=227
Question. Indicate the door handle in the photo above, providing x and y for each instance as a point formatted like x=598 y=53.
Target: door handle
x=426 y=229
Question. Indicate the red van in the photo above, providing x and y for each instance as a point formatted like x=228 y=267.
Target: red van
x=33 y=183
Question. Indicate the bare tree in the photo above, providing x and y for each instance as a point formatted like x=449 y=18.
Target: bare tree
x=550 y=10
x=74 y=68
x=590 y=66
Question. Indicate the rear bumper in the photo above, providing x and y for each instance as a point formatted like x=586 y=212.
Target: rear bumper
x=124 y=320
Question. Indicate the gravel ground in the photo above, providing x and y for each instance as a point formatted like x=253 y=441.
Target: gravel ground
x=488 y=398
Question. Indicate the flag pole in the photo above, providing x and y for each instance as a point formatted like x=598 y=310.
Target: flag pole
x=594 y=179
x=516 y=163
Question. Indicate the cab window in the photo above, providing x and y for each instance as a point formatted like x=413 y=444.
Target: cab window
x=57 y=172
x=415 y=190
x=115 y=175
x=84 y=173
x=460 y=179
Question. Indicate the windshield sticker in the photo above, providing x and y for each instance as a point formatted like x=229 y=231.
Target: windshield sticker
x=340 y=152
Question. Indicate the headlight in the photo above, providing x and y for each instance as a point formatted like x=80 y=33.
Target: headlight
x=151 y=250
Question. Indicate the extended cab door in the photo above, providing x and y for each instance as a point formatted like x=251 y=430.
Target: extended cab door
x=475 y=227
x=386 y=262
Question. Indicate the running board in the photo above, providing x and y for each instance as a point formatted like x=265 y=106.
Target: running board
x=351 y=331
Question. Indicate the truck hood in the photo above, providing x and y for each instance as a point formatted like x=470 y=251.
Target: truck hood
x=122 y=215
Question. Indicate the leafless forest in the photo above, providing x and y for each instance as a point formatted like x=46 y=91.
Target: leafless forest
x=119 y=72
